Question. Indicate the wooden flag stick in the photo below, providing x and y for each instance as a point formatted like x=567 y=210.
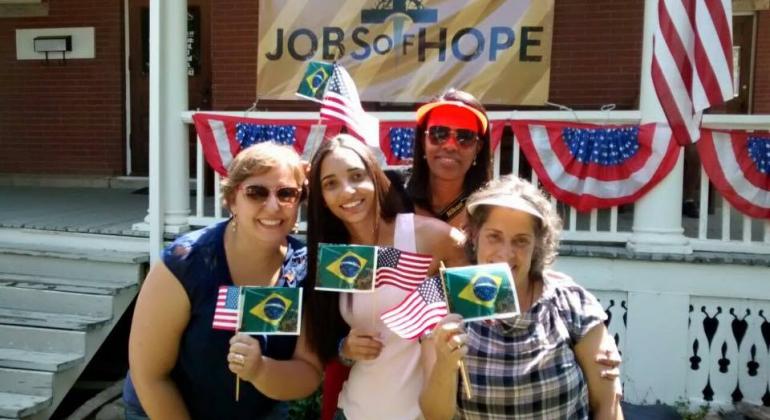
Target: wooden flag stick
x=463 y=371
x=237 y=330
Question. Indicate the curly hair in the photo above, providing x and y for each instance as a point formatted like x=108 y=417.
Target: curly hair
x=547 y=230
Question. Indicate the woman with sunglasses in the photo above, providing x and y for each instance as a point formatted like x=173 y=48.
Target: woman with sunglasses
x=452 y=156
x=181 y=367
x=540 y=364
x=352 y=201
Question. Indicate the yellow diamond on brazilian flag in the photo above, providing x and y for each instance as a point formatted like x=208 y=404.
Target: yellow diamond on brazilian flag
x=314 y=80
x=481 y=291
x=345 y=267
x=268 y=310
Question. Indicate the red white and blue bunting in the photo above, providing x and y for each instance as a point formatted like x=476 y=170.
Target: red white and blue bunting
x=595 y=166
x=738 y=164
x=222 y=137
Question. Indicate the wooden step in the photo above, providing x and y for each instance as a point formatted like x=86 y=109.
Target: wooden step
x=36 y=360
x=94 y=287
x=43 y=339
x=51 y=320
x=15 y=406
x=27 y=382
x=99 y=265
x=55 y=302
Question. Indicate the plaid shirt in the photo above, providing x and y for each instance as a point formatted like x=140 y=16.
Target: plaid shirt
x=525 y=367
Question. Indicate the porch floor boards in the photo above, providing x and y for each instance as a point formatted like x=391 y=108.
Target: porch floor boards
x=107 y=211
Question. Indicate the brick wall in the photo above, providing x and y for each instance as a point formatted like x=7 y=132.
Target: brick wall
x=762 y=65
x=234 y=39
x=64 y=119
x=597 y=53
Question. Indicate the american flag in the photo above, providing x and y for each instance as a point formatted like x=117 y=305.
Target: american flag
x=692 y=61
x=226 y=312
x=341 y=104
x=405 y=270
x=419 y=312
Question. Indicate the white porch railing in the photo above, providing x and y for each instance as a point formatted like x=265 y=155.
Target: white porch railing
x=725 y=230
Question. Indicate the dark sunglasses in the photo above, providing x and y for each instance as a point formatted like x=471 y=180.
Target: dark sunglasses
x=259 y=194
x=439 y=134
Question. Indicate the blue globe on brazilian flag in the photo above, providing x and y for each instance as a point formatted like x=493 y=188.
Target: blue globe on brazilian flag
x=271 y=310
x=482 y=291
x=346 y=268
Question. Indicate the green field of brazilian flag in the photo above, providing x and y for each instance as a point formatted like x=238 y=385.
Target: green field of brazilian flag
x=270 y=310
x=482 y=291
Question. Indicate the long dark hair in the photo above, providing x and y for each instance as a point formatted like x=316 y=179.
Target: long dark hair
x=418 y=186
x=325 y=325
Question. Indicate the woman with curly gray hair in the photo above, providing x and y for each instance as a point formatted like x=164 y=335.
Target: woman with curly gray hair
x=542 y=363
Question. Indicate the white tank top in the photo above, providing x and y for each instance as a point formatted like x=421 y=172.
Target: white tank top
x=389 y=386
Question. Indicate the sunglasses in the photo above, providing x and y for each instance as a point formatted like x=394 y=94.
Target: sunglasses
x=259 y=194
x=439 y=134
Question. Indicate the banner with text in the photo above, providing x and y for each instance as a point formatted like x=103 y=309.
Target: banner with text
x=411 y=50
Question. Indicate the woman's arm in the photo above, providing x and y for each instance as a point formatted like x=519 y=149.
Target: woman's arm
x=440 y=356
x=277 y=379
x=602 y=395
x=160 y=317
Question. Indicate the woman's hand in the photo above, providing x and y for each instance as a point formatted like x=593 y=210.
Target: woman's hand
x=610 y=359
x=245 y=357
x=449 y=339
x=360 y=345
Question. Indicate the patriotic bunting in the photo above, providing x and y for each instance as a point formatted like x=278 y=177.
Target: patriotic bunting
x=496 y=133
x=738 y=164
x=591 y=166
x=222 y=137
x=397 y=141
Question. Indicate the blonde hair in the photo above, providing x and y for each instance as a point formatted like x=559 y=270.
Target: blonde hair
x=257 y=160
x=547 y=230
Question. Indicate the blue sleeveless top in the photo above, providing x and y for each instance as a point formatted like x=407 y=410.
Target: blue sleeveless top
x=198 y=261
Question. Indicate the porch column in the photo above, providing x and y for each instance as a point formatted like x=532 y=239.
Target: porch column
x=658 y=214
x=169 y=200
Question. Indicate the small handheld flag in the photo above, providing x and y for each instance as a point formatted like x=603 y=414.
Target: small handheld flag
x=341 y=105
x=271 y=310
x=419 y=312
x=226 y=309
x=482 y=291
x=313 y=83
x=346 y=268
x=402 y=269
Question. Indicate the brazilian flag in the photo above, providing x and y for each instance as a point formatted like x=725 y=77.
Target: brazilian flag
x=481 y=291
x=271 y=310
x=346 y=268
x=313 y=83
